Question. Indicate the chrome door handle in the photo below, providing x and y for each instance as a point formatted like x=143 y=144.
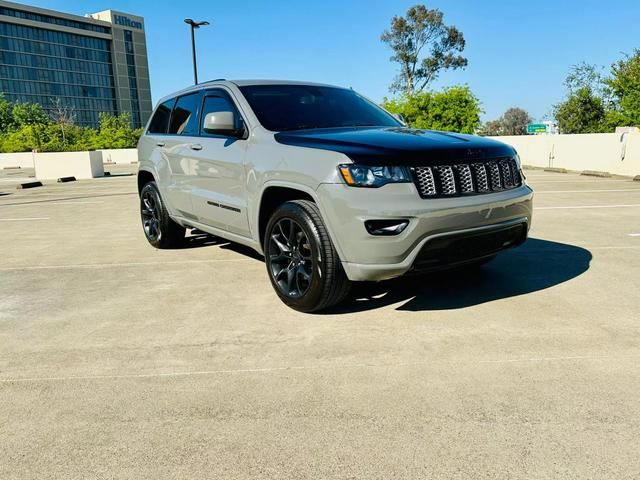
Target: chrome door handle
x=195 y=146
x=160 y=144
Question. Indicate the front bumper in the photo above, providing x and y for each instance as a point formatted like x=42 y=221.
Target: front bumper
x=371 y=258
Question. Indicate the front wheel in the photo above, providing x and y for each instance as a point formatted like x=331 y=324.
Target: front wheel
x=301 y=261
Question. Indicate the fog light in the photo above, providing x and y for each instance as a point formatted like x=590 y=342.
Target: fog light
x=385 y=227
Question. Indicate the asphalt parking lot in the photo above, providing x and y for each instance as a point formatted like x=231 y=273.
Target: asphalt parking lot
x=121 y=361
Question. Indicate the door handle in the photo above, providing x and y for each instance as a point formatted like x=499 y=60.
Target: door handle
x=160 y=144
x=195 y=146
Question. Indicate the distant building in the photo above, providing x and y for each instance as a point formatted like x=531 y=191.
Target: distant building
x=91 y=64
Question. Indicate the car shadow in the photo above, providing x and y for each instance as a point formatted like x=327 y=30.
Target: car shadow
x=198 y=239
x=536 y=265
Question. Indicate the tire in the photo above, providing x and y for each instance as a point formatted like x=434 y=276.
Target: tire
x=159 y=229
x=301 y=261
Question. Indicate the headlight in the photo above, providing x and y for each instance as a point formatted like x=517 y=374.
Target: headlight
x=364 y=176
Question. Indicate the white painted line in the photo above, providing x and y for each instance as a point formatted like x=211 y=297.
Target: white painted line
x=53 y=202
x=25 y=219
x=117 y=265
x=633 y=205
x=538 y=192
x=634 y=234
x=581 y=180
x=47 y=203
x=327 y=366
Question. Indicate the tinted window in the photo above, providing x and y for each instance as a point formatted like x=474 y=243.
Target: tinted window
x=295 y=107
x=218 y=102
x=160 y=120
x=184 y=119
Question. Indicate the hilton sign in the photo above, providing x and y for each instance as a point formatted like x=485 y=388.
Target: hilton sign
x=126 y=22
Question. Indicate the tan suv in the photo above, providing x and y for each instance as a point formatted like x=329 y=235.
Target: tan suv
x=327 y=185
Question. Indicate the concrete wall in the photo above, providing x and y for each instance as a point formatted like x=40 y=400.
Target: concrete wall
x=616 y=153
x=12 y=160
x=120 y=156
x=51 y=166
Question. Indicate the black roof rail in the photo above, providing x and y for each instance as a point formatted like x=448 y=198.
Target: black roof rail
x=215 y=80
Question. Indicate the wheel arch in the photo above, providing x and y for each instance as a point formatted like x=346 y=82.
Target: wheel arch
x=275 y=194
x=144 y=177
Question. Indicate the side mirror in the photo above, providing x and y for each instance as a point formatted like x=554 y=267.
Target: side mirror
x=223 y=123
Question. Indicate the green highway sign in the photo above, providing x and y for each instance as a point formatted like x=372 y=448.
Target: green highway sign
x=536 y=128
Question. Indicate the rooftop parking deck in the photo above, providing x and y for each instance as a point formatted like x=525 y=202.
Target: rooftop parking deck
x=118 y=360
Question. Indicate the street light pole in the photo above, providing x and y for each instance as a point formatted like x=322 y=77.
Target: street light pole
x=194 y=25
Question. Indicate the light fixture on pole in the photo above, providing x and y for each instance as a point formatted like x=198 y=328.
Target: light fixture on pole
x=194 y=25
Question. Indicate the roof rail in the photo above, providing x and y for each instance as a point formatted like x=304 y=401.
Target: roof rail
x=215 y=80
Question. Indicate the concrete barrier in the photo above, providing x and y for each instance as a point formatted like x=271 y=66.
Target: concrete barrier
x=82 y=165
x=124 y=156
x=615 y=153
x=14 y=160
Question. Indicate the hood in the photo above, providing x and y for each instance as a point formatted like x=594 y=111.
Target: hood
x=397 y=145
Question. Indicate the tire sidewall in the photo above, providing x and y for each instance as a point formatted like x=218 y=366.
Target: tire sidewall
x=313 y=295
x=162 y=214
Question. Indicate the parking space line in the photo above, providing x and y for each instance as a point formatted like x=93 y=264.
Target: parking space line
x=583 y=181
x=53 y=202
x=634 y=234
x=328 y=366
x=572 y=207
x=538 y=192
x=24 y=219
x=116 y=265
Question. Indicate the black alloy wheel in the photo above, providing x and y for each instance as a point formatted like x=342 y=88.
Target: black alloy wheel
x=290 y=263
x=301 y=261
x=150 y=215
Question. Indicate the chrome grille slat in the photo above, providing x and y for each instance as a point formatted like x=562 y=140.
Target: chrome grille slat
x=482 y=181
x=447 y=180
x=467 y=179
x=494 y=175
x=426 y=182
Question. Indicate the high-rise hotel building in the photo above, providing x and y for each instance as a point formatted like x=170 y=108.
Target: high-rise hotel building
x=89 y=64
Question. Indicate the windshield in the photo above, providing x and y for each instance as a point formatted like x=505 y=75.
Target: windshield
x=297 y=107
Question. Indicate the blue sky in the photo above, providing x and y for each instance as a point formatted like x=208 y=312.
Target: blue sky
x=519 y=51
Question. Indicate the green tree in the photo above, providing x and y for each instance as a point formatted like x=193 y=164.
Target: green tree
x=115 y=131
x=29 y=114
x=24 y=139
x=492 y=128
x=515 y=121
x=625 y=85
x=582 y=112
x=409 y=36
x=454 y=109
x=6 y=115
x=586 y=75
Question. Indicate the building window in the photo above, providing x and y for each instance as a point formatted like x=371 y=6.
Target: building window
x=133 y=80
x=41 y=66
x=37 y=17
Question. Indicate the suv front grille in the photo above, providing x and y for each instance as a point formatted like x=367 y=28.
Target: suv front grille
x=467 y=179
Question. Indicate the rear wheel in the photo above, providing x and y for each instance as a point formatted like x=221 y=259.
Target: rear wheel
x=161 y=231
x=301 y=261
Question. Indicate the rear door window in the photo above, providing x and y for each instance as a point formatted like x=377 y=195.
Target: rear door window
x=184 y=119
